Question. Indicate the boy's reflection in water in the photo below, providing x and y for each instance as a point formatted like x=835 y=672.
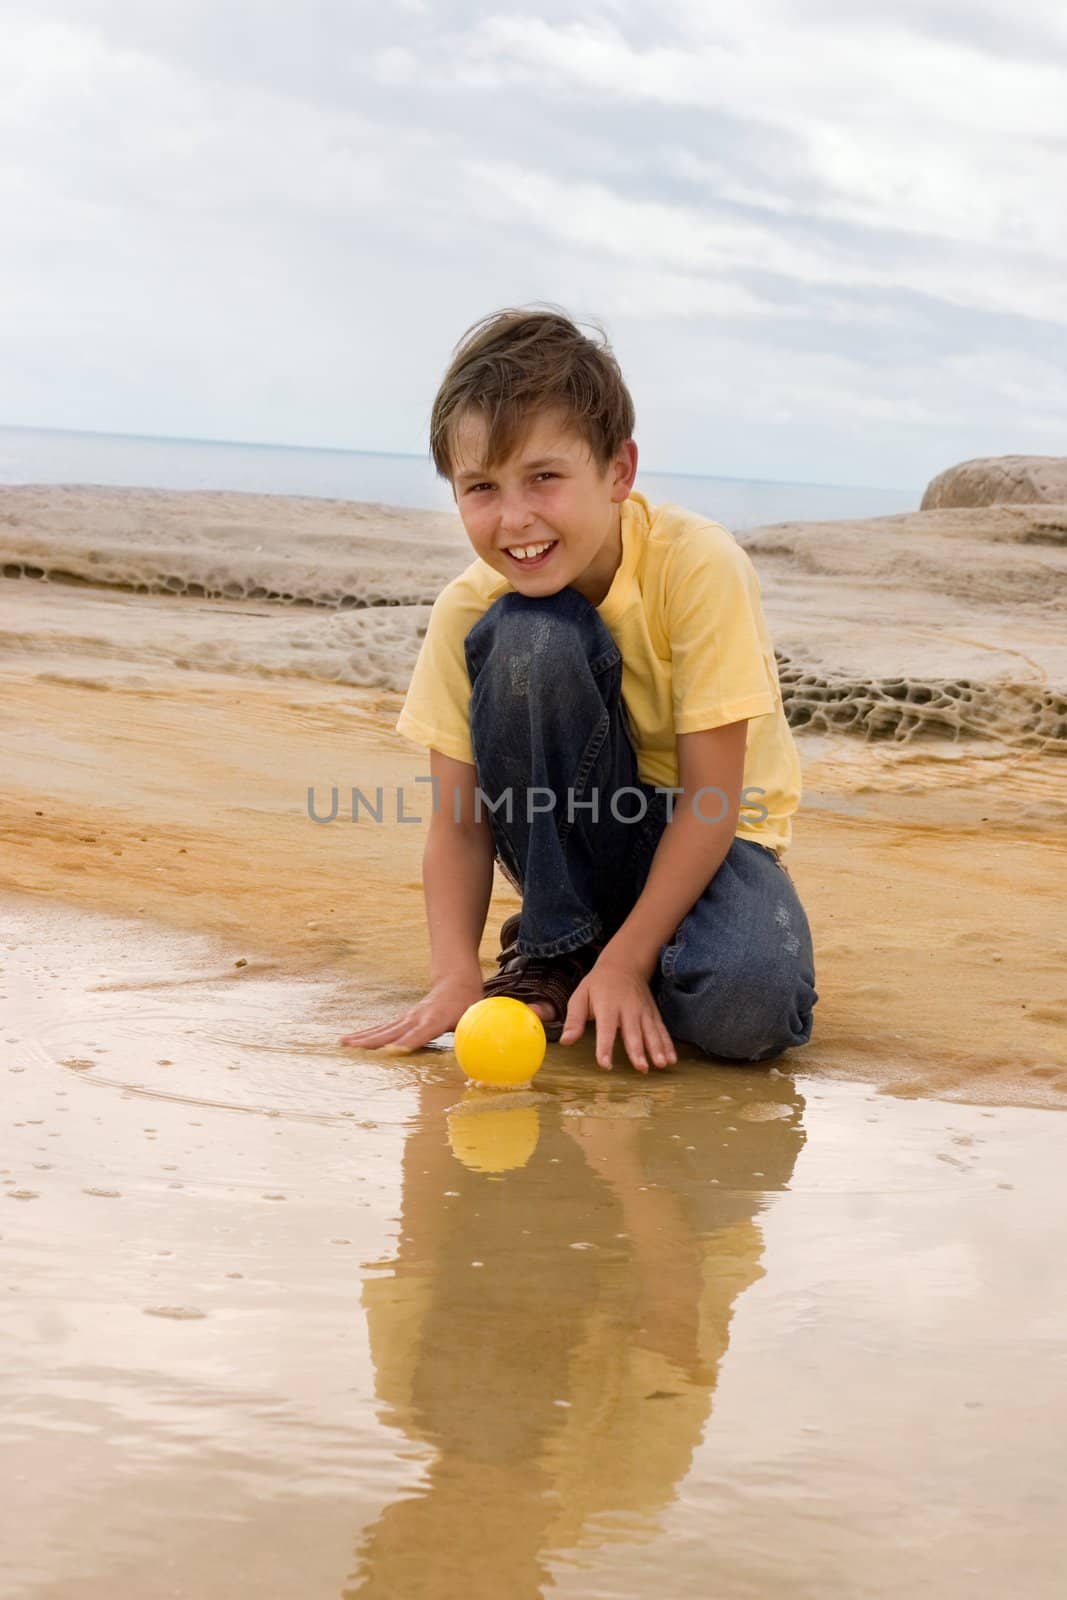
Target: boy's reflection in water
x=571 y=1375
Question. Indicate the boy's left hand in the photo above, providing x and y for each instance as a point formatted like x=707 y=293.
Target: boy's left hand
x=618 y=996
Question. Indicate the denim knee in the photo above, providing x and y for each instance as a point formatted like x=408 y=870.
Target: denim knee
x=748 y=1013
x=532 y=639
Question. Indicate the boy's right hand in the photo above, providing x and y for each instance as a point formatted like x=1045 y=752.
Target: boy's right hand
x=438 y=1012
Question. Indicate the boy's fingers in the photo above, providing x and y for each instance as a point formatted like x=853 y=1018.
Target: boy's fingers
x=378 y=1027
x=412 y=1038
x=577 y=1013
x=653 y=1048
x=384 y=1034
x=664 y=1040
x=373 y=1035
x=634 y=1042
x=605 y=1041
x=401 y=1044
x=659 y=1040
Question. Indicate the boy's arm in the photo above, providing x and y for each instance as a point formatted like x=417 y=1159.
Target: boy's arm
x=457 y=871
x=692 y=847
x=457 y=879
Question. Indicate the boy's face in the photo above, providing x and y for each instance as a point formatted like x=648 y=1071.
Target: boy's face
x=551 y=492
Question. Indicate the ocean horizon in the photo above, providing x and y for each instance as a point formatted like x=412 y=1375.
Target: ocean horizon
x=62 y=456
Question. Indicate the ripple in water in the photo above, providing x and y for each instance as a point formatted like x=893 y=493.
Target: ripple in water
x=233 y=1065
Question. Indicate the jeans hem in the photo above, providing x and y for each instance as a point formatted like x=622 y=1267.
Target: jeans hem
x=564 y=946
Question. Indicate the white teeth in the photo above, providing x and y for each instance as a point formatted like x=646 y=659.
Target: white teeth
x=527 y=552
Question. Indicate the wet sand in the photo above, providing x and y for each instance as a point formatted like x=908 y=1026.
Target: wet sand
x=288 y=1319
x=284 y=1323
x=932 y=883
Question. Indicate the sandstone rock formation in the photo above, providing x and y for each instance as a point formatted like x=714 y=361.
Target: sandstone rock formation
x=931 y=626
x=999 y=480
x=935 y=624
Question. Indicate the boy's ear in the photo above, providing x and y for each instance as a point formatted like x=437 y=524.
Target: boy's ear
x=624 y=471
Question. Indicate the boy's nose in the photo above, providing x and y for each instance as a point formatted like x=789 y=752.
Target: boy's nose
x=515 y=517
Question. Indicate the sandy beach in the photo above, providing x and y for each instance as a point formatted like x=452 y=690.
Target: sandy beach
x=285 y=1319
x=161 y=745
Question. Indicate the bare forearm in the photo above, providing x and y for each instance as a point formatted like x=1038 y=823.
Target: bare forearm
x=457 y=880
x=687 y=857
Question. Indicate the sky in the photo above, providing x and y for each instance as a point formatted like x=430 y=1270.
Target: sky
x=827 y=243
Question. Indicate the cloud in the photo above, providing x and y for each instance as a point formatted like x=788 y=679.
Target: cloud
x=835 y=237
x=714 y=240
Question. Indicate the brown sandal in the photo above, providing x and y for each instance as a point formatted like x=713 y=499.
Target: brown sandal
x=547 y=978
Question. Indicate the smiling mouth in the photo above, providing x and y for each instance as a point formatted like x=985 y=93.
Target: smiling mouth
x=531 y=563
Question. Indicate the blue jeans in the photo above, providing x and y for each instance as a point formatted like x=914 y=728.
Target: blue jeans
x=553 y=749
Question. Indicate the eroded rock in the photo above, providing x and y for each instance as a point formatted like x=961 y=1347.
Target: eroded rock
x=999 y=481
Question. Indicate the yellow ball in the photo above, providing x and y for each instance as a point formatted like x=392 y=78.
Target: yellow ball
x=494 y=1141
x=500 y=1041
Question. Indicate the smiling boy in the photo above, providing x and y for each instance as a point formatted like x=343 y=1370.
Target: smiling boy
x=598 y=672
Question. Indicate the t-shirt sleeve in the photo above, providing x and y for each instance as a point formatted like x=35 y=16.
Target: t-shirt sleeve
x=436 y=709
x=722 y=661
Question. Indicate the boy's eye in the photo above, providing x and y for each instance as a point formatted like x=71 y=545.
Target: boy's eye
x=474 y=488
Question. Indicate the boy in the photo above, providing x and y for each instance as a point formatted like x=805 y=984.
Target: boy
x=601 y=704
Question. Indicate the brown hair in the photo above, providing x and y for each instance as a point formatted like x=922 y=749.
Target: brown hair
x=515 y=363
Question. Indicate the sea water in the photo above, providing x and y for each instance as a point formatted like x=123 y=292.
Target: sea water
x=42 y=456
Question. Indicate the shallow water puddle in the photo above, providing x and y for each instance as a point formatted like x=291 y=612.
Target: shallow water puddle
x=284 y=1320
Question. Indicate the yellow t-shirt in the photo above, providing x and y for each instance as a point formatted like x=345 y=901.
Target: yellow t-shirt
x=684 y=609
